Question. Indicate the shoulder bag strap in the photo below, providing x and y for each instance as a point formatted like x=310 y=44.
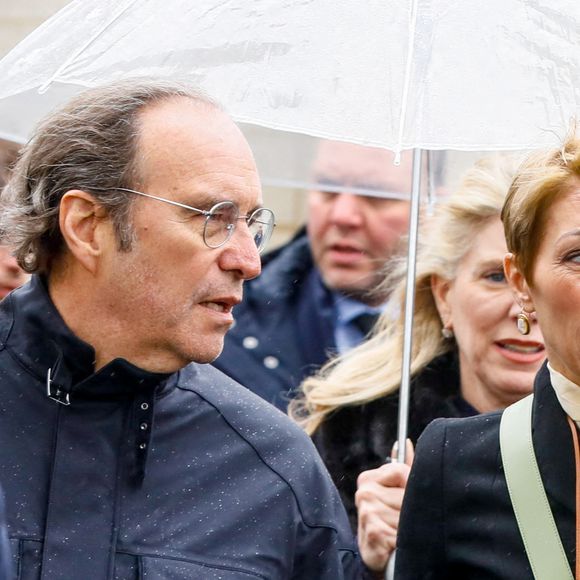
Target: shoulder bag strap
x=528 y=496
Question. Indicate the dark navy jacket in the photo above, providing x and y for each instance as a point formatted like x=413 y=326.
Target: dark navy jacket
x=150 y=476
x=284 y=327
x=457 y=519
x=6 y=572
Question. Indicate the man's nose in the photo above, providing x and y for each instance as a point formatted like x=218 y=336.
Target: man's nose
x=240 y=254
x=347 y=210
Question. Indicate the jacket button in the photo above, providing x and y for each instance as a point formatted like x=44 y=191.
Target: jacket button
x=142 y=446
x=143 y=426
x=271 y=362
x=250 y=342
x=144 y=406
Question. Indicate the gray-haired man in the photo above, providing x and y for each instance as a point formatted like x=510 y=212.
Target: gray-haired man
x=138 y=208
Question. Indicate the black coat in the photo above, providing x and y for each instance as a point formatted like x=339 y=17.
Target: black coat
x=357 y=438
x=284 y=327
x=149 y=476
x=457 y=519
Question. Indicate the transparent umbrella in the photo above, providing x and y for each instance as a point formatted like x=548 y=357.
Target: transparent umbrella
x=431 y=74
x=421 y=74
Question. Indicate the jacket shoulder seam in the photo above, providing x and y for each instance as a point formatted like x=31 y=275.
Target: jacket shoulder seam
x=264 y=461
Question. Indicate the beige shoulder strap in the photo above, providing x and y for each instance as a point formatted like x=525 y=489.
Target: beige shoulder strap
x=528 y=496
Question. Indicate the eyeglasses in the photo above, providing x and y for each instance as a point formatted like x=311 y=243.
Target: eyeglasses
x=221 y=219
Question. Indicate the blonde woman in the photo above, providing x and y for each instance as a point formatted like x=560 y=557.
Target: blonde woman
x=467 y=355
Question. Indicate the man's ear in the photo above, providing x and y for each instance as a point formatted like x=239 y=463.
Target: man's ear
x=518 y=284
x=82 y=225
x=440 y=288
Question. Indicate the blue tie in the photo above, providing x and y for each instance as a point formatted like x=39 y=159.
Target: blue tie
x=365 y=321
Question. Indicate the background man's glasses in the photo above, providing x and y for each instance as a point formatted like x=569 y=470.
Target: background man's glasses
x=222 y=218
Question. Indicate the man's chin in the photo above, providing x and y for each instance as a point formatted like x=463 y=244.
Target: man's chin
x=208 y=354
x=359 y=288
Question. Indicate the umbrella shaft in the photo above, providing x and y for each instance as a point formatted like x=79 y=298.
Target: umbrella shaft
x=404 y=393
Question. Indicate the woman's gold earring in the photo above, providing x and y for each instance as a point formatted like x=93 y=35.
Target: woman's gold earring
x=523 y=323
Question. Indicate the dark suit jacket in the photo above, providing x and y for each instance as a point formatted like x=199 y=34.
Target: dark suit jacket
x=284 y=327
x=457 y=519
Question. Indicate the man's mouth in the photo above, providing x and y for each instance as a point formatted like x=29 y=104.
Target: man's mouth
x=346 y=248
x=218 y=306
x=345 y=254
x=223 y=305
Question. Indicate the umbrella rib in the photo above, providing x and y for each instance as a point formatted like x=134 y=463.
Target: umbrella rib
x=409 y=66
x=308 y=185
x=92 y=39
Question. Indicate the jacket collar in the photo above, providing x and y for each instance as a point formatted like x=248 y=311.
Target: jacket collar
x=33 y=331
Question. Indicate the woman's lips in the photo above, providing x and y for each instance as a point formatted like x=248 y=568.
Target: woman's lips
x=518 y=351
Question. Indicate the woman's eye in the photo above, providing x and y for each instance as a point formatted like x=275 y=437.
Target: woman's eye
x=497 y=277
x=574 y=257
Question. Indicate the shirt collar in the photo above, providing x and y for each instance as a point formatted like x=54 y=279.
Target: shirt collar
x=348 y=309
x=568 y=394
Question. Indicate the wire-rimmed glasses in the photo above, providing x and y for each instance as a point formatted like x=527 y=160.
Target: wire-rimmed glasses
x=221 y=219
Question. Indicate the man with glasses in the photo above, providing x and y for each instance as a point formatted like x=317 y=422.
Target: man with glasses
x=139 y=212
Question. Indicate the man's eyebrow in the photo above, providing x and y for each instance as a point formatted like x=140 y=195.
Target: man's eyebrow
x=207 y=201
x=255 y=208
x=201 y=200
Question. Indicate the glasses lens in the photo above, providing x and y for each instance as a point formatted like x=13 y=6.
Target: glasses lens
x=261 y=224
x=220 y=224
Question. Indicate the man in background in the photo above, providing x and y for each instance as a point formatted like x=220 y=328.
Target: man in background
x=320 y=293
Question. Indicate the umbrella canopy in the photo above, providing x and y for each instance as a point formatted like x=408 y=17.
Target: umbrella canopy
x=435 y=74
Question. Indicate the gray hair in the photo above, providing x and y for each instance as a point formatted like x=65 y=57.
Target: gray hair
x=90 y=144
